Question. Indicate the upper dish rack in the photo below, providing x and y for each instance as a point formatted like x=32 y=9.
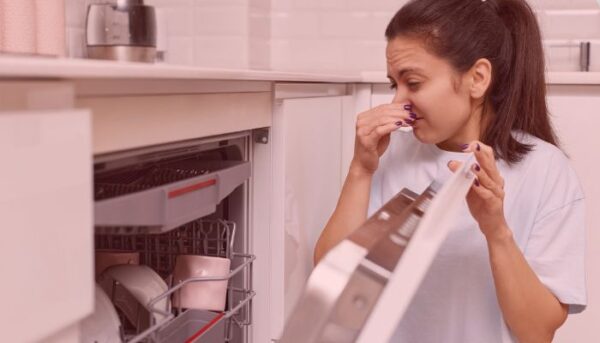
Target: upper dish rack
x=157 y=196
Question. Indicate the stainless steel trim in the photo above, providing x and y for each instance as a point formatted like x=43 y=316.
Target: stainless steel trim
x=125 y=53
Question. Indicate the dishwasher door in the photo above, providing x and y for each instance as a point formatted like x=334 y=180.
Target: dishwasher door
x=361 y=288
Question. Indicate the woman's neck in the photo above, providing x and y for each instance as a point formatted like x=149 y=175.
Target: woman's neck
x=473 y=130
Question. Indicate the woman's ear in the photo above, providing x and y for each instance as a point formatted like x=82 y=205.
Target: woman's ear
x=481 y=74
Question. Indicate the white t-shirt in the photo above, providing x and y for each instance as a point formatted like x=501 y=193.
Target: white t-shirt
x=544 y=207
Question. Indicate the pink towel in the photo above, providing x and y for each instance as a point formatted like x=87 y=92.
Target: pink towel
x=18 y=18
x=50 y=27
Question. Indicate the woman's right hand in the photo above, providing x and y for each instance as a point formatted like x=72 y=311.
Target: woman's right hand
x=373 y=128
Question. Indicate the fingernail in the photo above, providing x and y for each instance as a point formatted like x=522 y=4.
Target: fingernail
x=398 y=123
x=409 y=121
x=464 y=146
x=476 y=182
x=408 y=107
x=478 y=147
x=476 y=167
x=413 y=115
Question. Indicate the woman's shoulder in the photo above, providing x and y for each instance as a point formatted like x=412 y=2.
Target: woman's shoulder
x=547 y=161
x=541 y=151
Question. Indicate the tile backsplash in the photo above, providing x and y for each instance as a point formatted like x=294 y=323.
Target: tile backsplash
x=318 y=35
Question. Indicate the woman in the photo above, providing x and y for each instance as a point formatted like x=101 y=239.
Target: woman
x=469 y=77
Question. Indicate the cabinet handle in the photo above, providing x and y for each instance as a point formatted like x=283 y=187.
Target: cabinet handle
x=584 y=56
x=191 y=188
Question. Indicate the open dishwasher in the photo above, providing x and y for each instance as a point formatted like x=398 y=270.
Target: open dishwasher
x=167 y=205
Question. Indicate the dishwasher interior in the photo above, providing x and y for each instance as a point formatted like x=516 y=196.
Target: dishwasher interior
x=166 y=217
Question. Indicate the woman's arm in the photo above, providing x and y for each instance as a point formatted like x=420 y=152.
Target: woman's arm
x=373 y=129
x=349 y=214
x=530 y=310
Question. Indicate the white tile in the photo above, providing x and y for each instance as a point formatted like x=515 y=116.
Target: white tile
x=217 y=3
x=162 y=29
x=220 y=20
x=75 y=12
x=358 y=25
x=318 y=55
x=365 y=55
x=170 y=3
x=561 y=55
x=294 y=24
x=221 y=52
x=259 y=24
x=376 y=5
x=180 y=21
x=319 y=4
x=75 y=43
x=259 y=56
x=563 y=4
x=282 y=5
x=260 y=4
x=571 y=24
x=180 y=50
x=280 y=53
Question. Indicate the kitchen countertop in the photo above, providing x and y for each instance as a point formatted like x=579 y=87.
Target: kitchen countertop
x=12 y=67
x=65 y=68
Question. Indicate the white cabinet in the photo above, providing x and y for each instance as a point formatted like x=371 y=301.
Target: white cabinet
x=308 y=166
x=576 y=117
x=46 y=210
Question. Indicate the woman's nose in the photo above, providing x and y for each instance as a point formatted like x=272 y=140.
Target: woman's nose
x=400 y=98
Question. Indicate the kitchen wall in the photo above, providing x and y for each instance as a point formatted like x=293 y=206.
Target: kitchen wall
x=319 y=35
x=207 y=33
x=348 y=34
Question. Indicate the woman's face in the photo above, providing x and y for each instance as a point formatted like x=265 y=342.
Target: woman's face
x=438 y=97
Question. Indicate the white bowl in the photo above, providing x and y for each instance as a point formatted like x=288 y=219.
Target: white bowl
x=136 y=286
x=107 y=258
x=201 y=295
x=103 y=325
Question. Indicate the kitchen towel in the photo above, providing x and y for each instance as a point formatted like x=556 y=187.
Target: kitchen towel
x=50 y=27
x=18 y=26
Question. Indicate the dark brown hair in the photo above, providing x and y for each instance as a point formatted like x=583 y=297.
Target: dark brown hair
x=507 y=34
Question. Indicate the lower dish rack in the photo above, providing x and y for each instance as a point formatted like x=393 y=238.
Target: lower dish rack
x=159 y=251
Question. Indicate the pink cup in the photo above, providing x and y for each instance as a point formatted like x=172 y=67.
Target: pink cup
x=201 y=295
x=108 y=258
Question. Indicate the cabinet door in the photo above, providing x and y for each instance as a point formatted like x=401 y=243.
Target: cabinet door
x=307 y=171
x=576 y=117
x=46 y=210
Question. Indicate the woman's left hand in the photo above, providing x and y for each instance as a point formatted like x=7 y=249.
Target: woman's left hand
x=486 y=196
